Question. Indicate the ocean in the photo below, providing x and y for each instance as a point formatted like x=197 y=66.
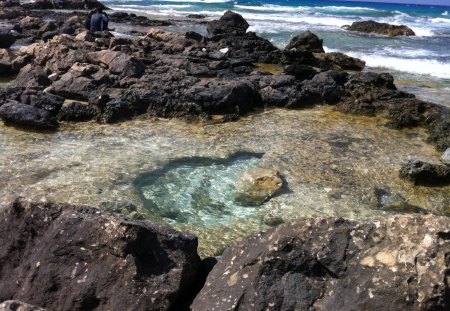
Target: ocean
x=420 y=64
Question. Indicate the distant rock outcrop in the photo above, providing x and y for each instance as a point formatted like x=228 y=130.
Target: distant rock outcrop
x=381 y=28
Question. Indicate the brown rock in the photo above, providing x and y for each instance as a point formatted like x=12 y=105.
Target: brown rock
x=257 y=185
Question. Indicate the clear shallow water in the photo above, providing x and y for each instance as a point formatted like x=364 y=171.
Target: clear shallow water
x=332 y=163
x=425 y=57
x=197 y=191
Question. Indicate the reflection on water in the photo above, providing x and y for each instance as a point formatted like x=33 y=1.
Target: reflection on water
x=333 y=163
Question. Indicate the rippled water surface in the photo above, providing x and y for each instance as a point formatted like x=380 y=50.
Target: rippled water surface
x=333 y=165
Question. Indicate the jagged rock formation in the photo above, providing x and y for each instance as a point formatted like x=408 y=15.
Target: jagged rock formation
x=399 y=263
x=62 y=257
x=381 y=28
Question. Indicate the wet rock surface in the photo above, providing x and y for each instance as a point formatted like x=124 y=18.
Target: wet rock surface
x=381 y=28
x=257 y=185
x=62 y=257
x=398 y=263
x=424 y=173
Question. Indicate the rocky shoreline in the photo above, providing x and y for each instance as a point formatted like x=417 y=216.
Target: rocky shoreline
x=63 y=257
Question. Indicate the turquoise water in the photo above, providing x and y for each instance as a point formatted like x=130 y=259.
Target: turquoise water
x=197 y=191
x=424 y=58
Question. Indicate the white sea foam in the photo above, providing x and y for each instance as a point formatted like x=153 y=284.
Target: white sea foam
x=357 y=9
x=445 y=13
x=440 y=20
x=273 y=8
x=198 y=1
x=415 y=66
x=295 y=18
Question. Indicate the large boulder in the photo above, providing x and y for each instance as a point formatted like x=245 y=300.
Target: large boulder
x=424 y=173
x=224 y=97
x=21 y=115
x=398 y=263
x=306 y=41
x=16 y=305
x=118 y=63
x=229 y=23
x=381 y=28
x=62 y=257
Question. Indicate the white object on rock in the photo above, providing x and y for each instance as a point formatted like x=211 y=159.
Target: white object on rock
x=446 y=156
x=53 y=76
x=224 y=50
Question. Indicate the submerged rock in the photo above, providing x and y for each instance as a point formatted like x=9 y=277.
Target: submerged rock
x=427 y=174
x=398 y=263
x=256 y=186
x=381 y=28
x=62 y=257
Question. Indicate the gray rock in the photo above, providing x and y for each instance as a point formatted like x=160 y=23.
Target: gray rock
x=398 y=263
x=229 y=23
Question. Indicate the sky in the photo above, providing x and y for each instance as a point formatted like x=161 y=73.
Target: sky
x=430 y=2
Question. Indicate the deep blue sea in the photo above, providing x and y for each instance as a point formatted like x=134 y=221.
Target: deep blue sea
x=421 y=63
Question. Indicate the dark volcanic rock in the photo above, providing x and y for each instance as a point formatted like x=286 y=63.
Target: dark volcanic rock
x=427 y=174
x=6 y=39
x=340 y=61
x=229 y=23
x=62 y=257
x=17 y=114
x=306 y=41
x=76 y=111
x=381 y=28
x=398 y=263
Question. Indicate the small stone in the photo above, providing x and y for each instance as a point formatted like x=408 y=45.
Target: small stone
x=255 y=186
x=446 y=157
x=272 y=220
x=53 y=76
x=224 y=50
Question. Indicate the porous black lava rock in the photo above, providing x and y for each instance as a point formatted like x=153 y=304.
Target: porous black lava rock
x=26 y=116
x=229 y=23
x=62 y=257
x=395 y=263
